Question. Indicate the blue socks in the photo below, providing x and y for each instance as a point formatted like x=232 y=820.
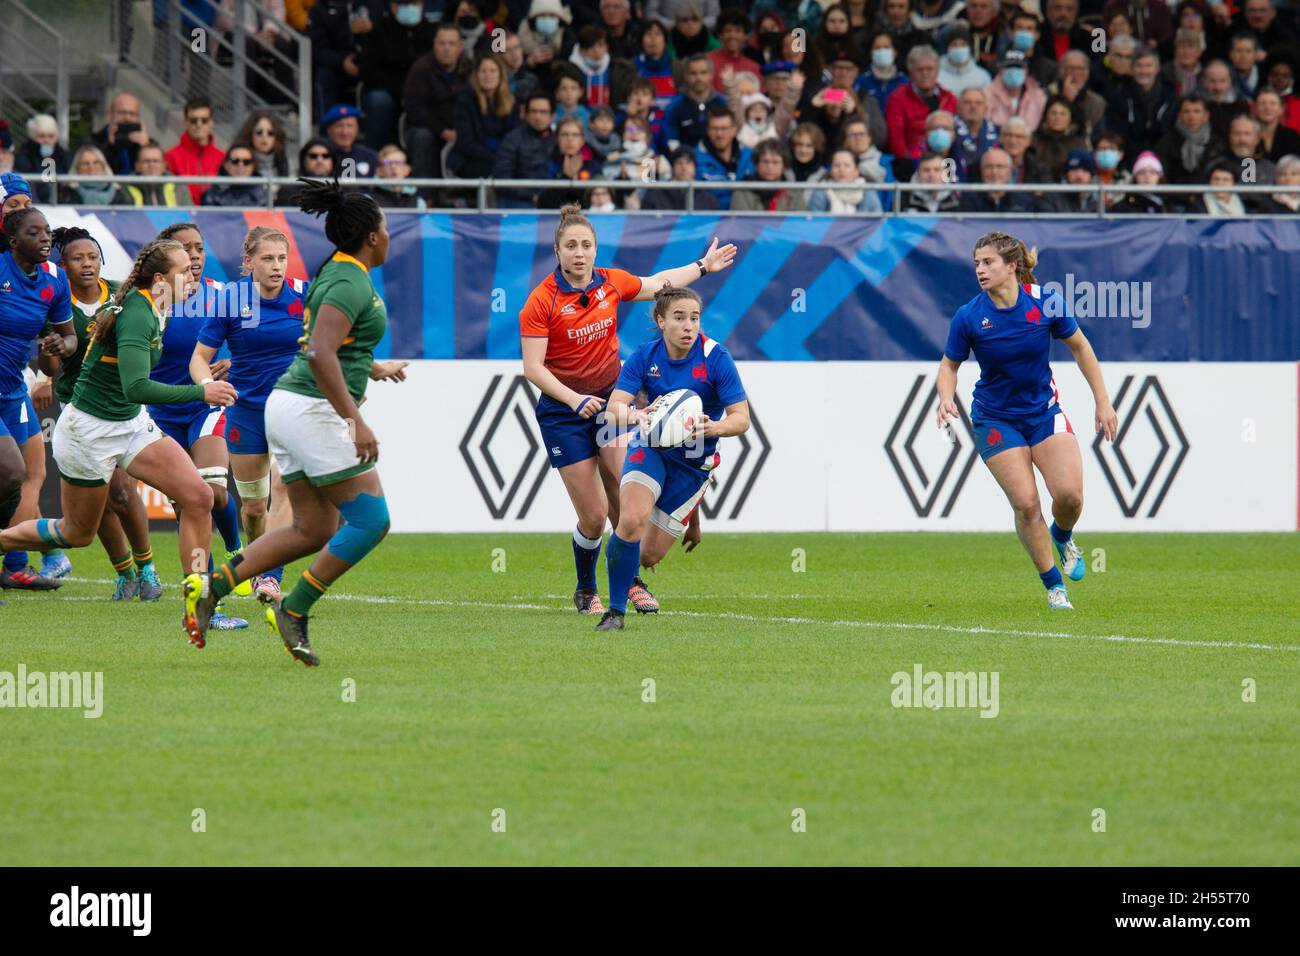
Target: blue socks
x=624 y=559
x=15 y=560
x=1060 y=535
x=585 y=553
x=1051 y=578
x=227 y=521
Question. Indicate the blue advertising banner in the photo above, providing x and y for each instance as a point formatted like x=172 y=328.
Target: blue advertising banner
x=809 y=288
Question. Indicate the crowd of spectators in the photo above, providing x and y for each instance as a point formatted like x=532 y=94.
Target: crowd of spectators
x=772 y=92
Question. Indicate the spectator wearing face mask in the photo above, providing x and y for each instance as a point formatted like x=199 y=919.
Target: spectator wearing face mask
x=544 y=35
x=882 y=75
x=1025 y=30
x=399 y=39
x=910 y=104
x=756 y=109
x=1108 y=156
x=636 y=158
x=933 y=169
x=940 y=139
x=42 y=152
x=1015 y=93
x=470 y=23
x=958 y=70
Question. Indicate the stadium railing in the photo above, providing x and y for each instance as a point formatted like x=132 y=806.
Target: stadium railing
x=483 y=191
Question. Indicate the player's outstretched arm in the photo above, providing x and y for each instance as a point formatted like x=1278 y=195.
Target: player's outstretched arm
x=715 y=260
x=1106 y=421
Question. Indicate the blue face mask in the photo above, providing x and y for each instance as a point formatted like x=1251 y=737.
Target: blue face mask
x=1023 y=40
x=410 y=14
x=958 y=55
x=1014 y=77
x=939 y=139
x=47 y=150
x=1108 y=158
x=547 y=25
x=882 y=58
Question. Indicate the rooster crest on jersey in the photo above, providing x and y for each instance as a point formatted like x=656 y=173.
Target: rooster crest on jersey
x=671 y=417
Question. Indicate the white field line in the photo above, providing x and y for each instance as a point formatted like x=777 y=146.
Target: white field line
x=770 y=619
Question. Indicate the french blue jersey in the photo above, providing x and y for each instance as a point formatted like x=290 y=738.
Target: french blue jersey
x=261 y=351
x=708 y=370
x=180 y=335
x=1012 y=347
x=27 y=303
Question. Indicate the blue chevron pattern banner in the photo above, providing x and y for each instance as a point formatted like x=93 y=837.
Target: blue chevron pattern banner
x=805 y=288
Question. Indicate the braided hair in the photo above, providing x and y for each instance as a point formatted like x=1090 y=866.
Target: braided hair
x=350 y=216
x=1011 y=250
x=154 y=257
x=65 y=236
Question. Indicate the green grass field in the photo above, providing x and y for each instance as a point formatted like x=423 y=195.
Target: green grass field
x=478 y=690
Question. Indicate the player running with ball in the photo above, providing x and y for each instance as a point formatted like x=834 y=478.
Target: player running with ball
x=569 y=339
x=660 y=487
x=1018 y=424
x=326 y=452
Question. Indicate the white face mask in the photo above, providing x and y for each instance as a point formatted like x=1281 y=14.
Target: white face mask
x=603 y=207
x=634 y=150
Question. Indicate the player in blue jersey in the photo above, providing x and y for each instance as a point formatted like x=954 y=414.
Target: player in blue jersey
x=262 y=344
x=33 y=293
x=660 y=487
x=197 y=427
x=1019 y=426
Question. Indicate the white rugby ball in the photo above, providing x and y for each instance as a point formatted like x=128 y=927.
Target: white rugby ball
x=670 y=418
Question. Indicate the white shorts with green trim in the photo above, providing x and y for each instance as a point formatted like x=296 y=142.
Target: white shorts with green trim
x=309 y=440
x=87 y=449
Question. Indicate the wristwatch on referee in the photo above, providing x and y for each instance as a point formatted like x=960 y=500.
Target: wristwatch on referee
x=703 y=270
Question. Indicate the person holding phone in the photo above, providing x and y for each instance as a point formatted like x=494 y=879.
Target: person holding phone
x=122 y=136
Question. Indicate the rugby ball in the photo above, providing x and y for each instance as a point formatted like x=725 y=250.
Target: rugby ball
x=670 y=417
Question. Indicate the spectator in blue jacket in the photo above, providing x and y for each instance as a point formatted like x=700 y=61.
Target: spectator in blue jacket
x=719 y=158
x=685 y=119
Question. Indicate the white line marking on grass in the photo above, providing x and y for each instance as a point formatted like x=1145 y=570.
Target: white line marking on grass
x=764 y=619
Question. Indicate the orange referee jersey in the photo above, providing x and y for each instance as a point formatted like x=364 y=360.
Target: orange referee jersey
x=582 y=341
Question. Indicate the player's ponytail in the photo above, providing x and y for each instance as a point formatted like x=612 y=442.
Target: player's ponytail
x=1012 y=251
x=350 y=216
x=571 y=215
x=152 y=258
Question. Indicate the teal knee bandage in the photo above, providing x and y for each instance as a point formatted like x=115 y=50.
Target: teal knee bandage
x=365 y=524
x=48 y=531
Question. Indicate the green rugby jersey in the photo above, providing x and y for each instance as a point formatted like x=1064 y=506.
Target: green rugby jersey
x=344 y=283
x=114 y=380
x=71 y=368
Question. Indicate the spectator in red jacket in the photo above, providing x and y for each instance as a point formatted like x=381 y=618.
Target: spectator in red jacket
x=196 y=154
x=733 y=31
x=909 y=105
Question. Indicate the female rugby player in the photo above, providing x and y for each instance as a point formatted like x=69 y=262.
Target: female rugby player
x=262 y=344
x=569 y=340
x=325 y=450
x=1018 y=424
x=660 y=487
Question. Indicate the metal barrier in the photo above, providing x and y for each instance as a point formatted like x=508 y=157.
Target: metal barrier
x=483 y=189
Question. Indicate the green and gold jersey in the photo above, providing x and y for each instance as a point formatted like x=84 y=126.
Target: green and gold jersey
x=67 y=381
x=344 y=283
x=114 y=380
